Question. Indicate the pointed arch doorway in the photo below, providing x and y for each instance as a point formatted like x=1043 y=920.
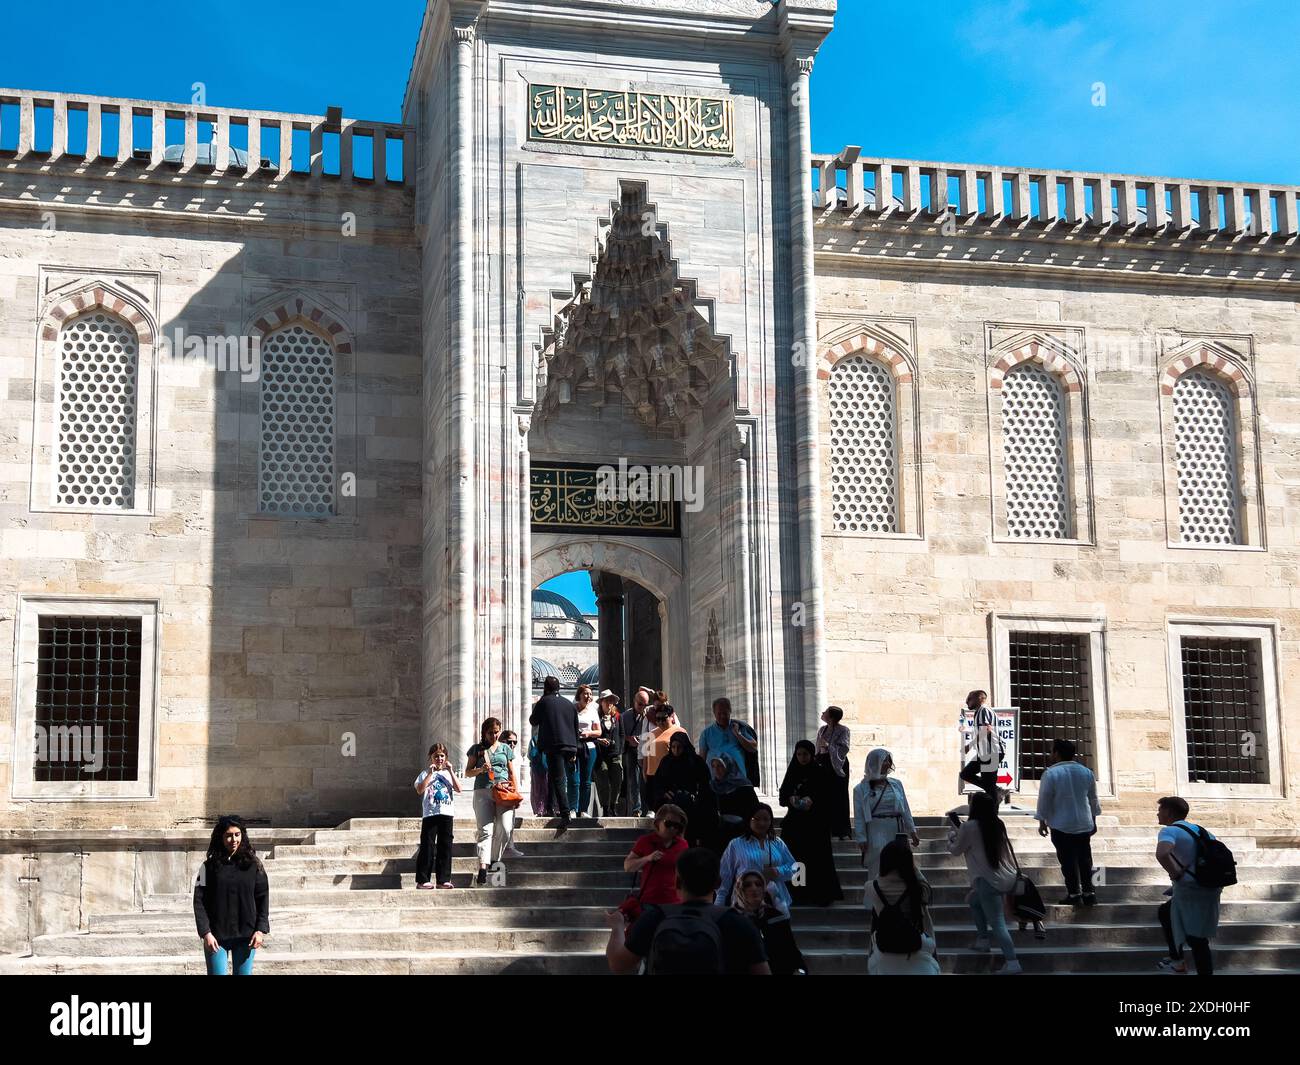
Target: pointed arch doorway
x=635 y=592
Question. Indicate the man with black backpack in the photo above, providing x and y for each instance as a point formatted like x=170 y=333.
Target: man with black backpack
x=1200 y=867
x=694 y=938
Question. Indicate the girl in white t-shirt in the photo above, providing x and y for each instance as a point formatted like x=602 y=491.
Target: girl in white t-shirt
x=437 y=787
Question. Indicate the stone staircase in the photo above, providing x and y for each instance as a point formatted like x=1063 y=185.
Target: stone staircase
x=345 y=902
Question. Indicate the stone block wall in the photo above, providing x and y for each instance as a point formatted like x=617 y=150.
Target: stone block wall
x=287 y=655
x=909 y=618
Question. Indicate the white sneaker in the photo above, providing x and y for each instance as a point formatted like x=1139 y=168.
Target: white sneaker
x=512 y=852
x=983 y=943
x=1009 y=969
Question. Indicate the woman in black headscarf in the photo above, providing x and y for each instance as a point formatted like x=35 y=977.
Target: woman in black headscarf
x=683 y=780
x=808 y=793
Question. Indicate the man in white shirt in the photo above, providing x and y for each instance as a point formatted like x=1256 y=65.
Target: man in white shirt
x=1068 y=806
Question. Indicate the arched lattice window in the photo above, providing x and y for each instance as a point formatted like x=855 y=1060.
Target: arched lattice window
x=98 y=354
x=864 y=446
x=1034 y=454
x=296 y=469
x=1205 y=455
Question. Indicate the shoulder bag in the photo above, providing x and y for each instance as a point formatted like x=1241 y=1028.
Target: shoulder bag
x=1026 y=902
x=504 y=792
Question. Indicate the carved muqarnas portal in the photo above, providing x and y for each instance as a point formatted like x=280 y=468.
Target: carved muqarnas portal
x=634 y=330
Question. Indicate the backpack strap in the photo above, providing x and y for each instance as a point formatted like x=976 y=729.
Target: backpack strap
x=1198 y=836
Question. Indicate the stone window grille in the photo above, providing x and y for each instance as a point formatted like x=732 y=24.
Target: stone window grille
x=1205 y=456
x=296 y=468
x=1035 y=458
x=864 y=446
x=98 y=355
x=1223 y=708
x=1050 y=683
x=86 y=699
x=550 y=632
x=88 y=689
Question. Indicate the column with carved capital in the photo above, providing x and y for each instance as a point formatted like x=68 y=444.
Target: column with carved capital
x=523 y=422
x=742 y=603
x=461 y=587
x=799 y=64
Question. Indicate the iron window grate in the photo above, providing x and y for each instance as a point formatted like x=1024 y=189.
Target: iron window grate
x=1051 y=684
x=1223 y=711
x=88 y=699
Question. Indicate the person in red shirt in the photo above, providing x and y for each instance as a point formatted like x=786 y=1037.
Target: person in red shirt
x=655 y=856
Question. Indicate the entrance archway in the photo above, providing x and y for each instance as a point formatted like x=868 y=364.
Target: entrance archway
x=636 y=567
x=599 y=629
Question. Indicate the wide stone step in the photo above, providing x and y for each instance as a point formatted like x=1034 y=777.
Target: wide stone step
x=551 y=859
x=1021 y=836
x=609 y=897
x=1139 y=960
x=1105 y=822
x=519 y=874
x=930 y=851
x=503 y=939
x=431 y=914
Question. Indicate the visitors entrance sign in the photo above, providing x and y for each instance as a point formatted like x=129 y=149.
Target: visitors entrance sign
x=1006 y=721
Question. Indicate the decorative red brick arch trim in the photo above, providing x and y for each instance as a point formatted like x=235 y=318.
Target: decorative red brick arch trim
x=866 y=343
x=1205 y=356
x=1051 y=360
x=300 y=308
x=97 y=298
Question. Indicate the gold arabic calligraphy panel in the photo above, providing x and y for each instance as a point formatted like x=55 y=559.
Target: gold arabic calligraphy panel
x=659 y=121
x=565 y=500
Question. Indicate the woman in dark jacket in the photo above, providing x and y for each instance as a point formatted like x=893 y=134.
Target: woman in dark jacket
x=231 y=900
x=609 y=754
x=683 y=780
x=808 y=794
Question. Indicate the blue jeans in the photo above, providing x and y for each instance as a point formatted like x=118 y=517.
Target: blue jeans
x=986 y=908
x=571 y=785
x=585 y=768
x=242 y=955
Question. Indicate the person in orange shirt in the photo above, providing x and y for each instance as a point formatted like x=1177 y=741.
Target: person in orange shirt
x=657 y=748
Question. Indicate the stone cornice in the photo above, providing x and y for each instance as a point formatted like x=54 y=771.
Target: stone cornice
x=711 y=21
x=293 y=207
x=804 y=25
x=1094 y=263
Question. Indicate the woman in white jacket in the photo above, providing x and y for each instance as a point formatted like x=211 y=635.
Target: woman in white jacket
x=880 y=811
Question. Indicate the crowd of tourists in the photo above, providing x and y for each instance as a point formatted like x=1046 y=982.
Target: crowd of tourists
x=714 y=881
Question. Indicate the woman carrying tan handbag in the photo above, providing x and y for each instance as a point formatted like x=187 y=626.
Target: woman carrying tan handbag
x=496 y=796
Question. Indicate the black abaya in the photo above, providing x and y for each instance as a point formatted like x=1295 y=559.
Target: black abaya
x=808 y=833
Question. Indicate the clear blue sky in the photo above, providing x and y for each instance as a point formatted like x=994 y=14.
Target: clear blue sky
x=576 y=587
x=1194 y=89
